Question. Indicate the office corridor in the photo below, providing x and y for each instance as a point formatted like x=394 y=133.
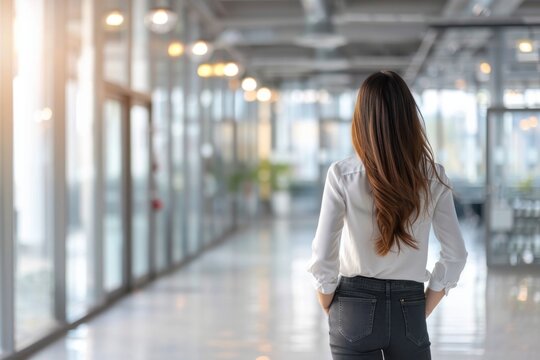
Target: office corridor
x=251 y=298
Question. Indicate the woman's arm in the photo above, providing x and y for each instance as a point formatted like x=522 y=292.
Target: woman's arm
x=325 y=300
x=453 y=254
x=324 y=263
x=432 y=300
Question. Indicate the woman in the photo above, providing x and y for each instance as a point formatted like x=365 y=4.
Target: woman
x=371 y=244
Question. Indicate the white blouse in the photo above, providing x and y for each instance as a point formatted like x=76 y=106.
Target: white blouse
x=344 y=242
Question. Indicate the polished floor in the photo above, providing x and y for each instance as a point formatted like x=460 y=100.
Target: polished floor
x=252 y=299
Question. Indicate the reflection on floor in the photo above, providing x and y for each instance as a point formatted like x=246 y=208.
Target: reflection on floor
x=252 y=299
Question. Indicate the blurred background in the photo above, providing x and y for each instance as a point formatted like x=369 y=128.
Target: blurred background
x=162 y=165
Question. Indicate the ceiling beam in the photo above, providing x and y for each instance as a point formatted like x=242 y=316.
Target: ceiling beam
x=451 y=8
x=499 y=11
x=214 y=26
x=337 y=19
x=359 y=62
x=491 y=22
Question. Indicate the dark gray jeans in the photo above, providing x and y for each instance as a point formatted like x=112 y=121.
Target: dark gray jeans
x=368 y=315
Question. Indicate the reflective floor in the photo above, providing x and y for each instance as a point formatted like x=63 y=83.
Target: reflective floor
x=251 y=298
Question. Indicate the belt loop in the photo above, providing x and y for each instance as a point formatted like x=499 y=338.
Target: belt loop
x=387 y=288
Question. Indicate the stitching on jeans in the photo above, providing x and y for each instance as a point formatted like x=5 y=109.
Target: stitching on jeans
x=408 y=331
x=368 y=330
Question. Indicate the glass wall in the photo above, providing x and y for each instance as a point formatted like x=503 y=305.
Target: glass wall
x=160 y=167
x=116 y=21
x=513 y=234
x=80 y=174
x=455 y=133
x=312 y=127
x=33 y=124
x=176 y=50
x=141 y=212
x=106 y=158
x=224 y=133
x=161 y=142
x=210 y=100
x=113 y=233
x=193 y=144
x=140 y=53
x=178 y=184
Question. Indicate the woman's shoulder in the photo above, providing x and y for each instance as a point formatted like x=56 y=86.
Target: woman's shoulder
x=440 y=171
x=350 y=164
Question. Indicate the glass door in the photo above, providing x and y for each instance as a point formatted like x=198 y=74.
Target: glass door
x=128 y=218
x=141 y=213
x=113 y=225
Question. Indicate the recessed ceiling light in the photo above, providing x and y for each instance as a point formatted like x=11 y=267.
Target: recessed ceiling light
x=114 y=19
x=264 y=94
x=161 y=20
x=219 y=69
x=249 y=84
x=176 y=49
x=205 y=70
x=231 y=69
x=525 y=46
x=200 y=48
x=485 y=68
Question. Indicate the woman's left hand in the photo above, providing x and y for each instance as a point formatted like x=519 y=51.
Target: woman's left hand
x=325 y=300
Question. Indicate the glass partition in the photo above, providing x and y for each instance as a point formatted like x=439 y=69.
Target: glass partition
x=225 y=168
x=33 y=123
x=140 y=51
x=140 y=189
x=211 y=106
x=81 y=70
x=513 y=183
x=80 y=172
x=178 y=177
x=116 y=19
x=335 y=140
x=113 y=234
x=161 y=169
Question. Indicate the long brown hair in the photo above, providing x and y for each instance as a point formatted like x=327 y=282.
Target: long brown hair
x=390 y=140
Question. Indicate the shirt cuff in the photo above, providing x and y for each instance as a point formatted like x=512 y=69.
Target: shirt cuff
x=438 y=286
x=325 y=287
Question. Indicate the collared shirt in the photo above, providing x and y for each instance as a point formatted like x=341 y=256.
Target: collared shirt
x=344 y=242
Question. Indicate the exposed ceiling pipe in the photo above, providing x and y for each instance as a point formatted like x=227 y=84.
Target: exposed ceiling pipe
x=482 y=9
x=320 y=32
x=451 y=8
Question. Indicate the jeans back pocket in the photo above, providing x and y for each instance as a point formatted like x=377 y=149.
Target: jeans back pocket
x=414 y=314
x=356 y=317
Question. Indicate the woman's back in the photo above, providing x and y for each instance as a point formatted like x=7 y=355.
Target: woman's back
x=371 y=244
x=348 y=195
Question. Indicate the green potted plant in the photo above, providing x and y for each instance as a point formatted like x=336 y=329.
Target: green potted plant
x=242 y=184
x=274 y=179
